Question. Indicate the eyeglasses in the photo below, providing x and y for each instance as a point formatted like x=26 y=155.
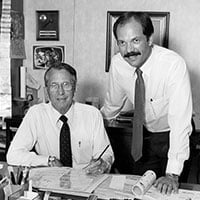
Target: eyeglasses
x=65 y=86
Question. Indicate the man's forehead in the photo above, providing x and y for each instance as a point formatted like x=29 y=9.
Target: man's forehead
x=131 y=29
x=59 y=74
x=130 y=20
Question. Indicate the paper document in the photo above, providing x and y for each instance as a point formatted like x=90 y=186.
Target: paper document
x=120 y=187
x=117 y=182
x=182 y=195
x=64 y=180
x=117 y=187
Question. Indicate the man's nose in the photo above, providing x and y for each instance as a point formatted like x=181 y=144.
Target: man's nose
x=129 y=47
x=61 y=89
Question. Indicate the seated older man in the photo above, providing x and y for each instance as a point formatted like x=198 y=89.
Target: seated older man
x=43 y=125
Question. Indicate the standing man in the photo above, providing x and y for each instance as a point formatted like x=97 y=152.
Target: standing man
x=167 y=98
x=43 y=124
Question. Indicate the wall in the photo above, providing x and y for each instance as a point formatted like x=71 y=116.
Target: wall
x=66 y=26
x=83 y=30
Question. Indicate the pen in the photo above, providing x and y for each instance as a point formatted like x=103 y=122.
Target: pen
x=25 y=174
x=102 y=152
x=30 y=186
x=3 y=180
x=12 y=178
x=18 y=174
x=99 y=156
x=20 y=178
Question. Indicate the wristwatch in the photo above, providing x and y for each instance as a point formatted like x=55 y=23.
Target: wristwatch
x=51 y=159
x=174 y=176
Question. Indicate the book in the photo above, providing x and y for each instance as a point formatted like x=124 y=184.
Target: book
x=65 y=180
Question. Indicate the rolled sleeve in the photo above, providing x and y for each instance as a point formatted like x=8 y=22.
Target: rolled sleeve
x=179 y=118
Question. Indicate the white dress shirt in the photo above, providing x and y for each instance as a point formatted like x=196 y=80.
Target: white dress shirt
x=168 y=104
x=41 y=127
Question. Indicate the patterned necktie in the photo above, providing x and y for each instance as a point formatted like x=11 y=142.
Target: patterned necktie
x=65 y=143
x=138 y=119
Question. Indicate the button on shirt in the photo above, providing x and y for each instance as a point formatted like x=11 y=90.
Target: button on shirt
x=41 y=126
x=168 y=103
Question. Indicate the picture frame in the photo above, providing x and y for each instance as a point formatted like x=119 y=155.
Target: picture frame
x=161 y=32
x=47 y=22
x=44 y=55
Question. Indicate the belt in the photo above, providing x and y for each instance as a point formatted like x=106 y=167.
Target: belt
x=147 y=133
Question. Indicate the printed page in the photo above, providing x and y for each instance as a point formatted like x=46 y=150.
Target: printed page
x=64 y=179
x=120 y=187
x=182 y=195
x=117 y=187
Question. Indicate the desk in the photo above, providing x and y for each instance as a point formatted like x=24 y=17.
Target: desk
x=108 y=186
x=187 y=186
x=124 y=190
x=103 y=191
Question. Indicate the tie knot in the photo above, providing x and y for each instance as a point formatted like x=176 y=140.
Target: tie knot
x=63 y=119
x=138 y=71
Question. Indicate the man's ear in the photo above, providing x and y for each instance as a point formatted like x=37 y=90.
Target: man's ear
x=46 y=95
x=150 y=41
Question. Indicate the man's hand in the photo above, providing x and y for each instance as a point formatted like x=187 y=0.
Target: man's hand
x=57 y=163
x=97 y=167
x=54 y=162
x=167 y=184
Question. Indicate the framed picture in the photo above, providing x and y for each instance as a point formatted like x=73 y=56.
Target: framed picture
x=47 y=25
x=43 y=55
x=161 y=32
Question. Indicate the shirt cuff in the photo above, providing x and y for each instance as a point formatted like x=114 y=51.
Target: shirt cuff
x=174 y=167
x=40 y=161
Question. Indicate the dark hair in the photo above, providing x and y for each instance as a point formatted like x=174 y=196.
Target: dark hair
x=141 y=17
x=60 y=66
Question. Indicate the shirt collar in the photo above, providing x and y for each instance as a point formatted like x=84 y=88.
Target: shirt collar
x=69 y=114
x=56 y=115
x=147 y=66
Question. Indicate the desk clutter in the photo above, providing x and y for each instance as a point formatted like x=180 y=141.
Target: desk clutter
x=15 y=184
x=56 y=183
x=18 y=175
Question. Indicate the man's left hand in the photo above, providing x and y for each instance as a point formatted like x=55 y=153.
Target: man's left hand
x=97 y=167
x=167 y=184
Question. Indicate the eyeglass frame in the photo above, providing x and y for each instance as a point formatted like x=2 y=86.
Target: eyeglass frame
x=55 y=86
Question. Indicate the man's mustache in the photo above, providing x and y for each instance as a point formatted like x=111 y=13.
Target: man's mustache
x=132 y=53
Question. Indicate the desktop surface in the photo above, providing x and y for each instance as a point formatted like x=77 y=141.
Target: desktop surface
x=104 y=187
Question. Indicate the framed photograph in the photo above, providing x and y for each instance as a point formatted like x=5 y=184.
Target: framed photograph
x=43 y=55
x=161 y=32
x=47 y=25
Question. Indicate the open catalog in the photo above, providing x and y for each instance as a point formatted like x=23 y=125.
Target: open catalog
x=133 y=187
x=70 y=181
x=65 y=180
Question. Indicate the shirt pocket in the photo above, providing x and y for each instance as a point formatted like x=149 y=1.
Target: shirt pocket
x=84 y=152
x=156 y=108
